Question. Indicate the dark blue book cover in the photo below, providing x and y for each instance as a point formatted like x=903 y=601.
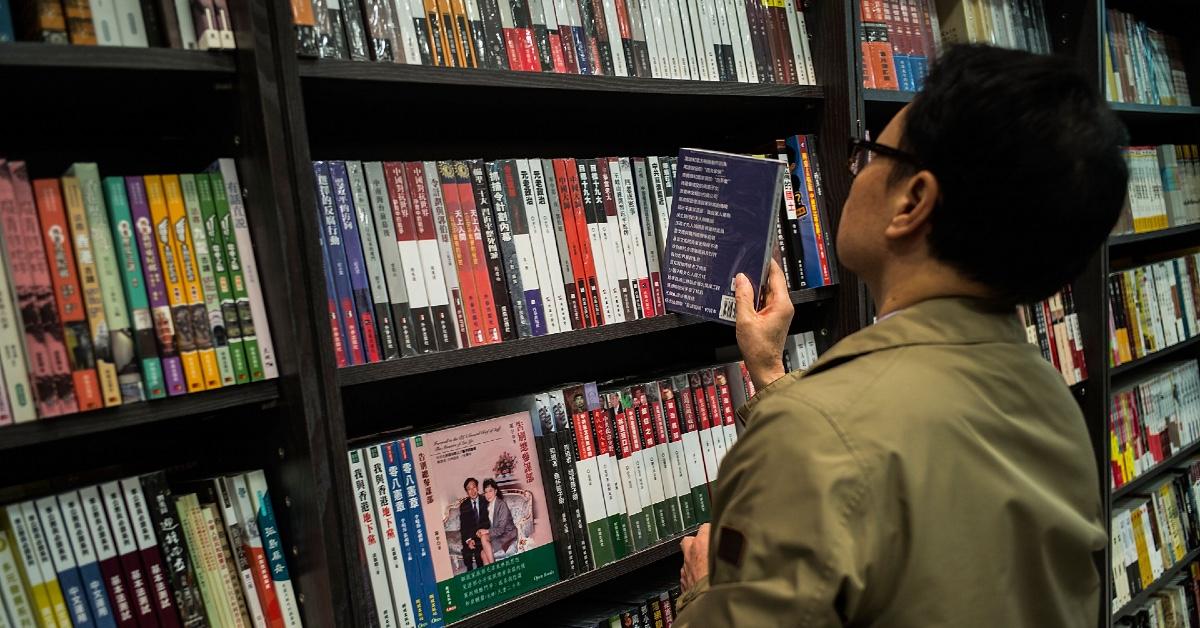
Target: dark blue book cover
x=360 y=285
x=805 y=195
x=329 y=220
x=6 y=24
x=722 y=223
x=424 y=558
x=398 y=469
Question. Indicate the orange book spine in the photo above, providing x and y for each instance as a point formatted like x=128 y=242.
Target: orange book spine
x=181 y=240
x=169 y=256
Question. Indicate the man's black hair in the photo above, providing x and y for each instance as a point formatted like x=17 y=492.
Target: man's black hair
x=468 y=481
x=492 y=483
x=1027 y=154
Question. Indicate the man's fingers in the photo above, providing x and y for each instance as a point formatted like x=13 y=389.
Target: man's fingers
x=776 y=284
x=743 y=295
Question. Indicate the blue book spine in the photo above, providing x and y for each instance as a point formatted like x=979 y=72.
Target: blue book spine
x=920 y=67
x=417 y=512
x=76 y=597
x=93 y=583
x=332 y=232
x=397 y=470
x=581 y=49
x=903 y=72
x=804 y=210
x=360 y=285
x=6 y=24
x=343 y=355
x=63 y=560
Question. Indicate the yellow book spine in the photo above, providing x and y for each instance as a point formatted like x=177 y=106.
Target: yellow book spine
x=181 y=238
x=1139 y=540
x=169 y=256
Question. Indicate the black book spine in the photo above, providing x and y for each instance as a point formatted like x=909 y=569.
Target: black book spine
x=479 y=39
x=541 y=34
x=491 y=243
x=450 y=33
x=432 y=25
x=588 y=24
x=335 y=39
x=356 y=34
x=152 y=22
x=493 y=29
x=173 y=545
x=603 y=48
x=556 y=501
x=508 y=249
x=579 y=535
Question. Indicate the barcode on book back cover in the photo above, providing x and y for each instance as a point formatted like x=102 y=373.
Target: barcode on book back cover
x=728 y=308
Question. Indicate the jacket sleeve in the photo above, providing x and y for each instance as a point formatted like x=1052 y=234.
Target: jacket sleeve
x=504 y=529
x=789 y=535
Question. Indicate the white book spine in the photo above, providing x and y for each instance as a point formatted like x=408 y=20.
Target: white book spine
x=27 y=559
x=806 y=45
x=661 y=51
x=41 y=551
x=686 y=36
x=130 y=23
x=104 y=19
x=653 y=459
x=235 y=532
x=538 y=262
x=549 y=244
x=606 y=302
x=12 y=351
x=731 y=37
x=796 y=33
x=260 y=498
x=62 y=559
x=406 y=32
x=628 y=475
x=610 y=477
x=445 y=256
x=614 y=256
x=385 y=525
x=712 y=37
x=742 y=43
x=372 y=254
x=15 y=599
x=668 y=47
x=649 y=236
x=614 y=38
x=187 y=29
x=243 y=507
x=591 y=487
x=633 y=222
x=385 y=230
x=623 y=236
x=709 y=449
x=245 y=245
x=524 y=245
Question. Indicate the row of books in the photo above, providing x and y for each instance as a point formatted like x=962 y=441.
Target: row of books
x=1019 y=24
x=185 y=24
x=899 y=39
x=755 y=41
x=1154 y=531
x=429 y=256
x=1053 y=325
x=1152 y=307
x=1142 y=64
x=121 y=289
x=800 y=351
x=134 y=553
x=1174 y=606
x=1152 y=419
x=459 y=520
x=1164 y=188
x=653 y=606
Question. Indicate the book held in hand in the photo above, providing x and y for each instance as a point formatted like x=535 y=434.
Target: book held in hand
x=722 y=223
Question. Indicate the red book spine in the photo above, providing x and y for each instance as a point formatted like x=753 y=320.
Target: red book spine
x=724 y=399
x=456 y=222
x=476 y=255
x=556 y=53
x=592 y=288
x=566 y=45
x=570 y=227
x=65 y=281
x=700 y=405
x=603 y=431
x=443 y=309
x=531 y=60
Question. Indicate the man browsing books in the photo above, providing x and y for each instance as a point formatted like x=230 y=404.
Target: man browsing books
x=932 y=469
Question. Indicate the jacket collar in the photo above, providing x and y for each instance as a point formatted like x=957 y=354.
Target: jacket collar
x=946 y=320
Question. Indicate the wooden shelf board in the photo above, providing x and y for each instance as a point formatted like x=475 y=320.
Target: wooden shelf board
x=1166 y=578
x=77 y=58
x=563 y=589
x=405 y=367
x=887 y=95
x=1156 y=110
x=418 y=74
x=1127 y=239
x=1155 y=357
x=43 y=431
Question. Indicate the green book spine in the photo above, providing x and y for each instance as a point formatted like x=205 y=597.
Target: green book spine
x=220 y=271
x=120 y=330
x=234 y=265
x=135 y=286
x=208 y=281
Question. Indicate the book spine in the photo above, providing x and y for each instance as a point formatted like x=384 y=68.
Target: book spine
x=535 y=297
x=124 y=237
x=385 y=612
x=222 y=568
x=62 y=561
x=655 y=461
x=452 y=240
x=210 y=193
x=386 y=526
x=610 y=475
x=647 y=213
x=155 y=289
x=478 y=34
x=189 y=276
x=508 y=247
x=565 y=245
x=45 y=562
x=449 y=37
x=196 y=192
x=391 y=266
x=200 y=549
x=618 y=263
x=577 y=223
x=637 y=240
x=389 y=340
x=131 y=25
x=617 y=35
x=261 y=500
x=609 y=297
x=408 y=247
x=541 y=35
x=334 y=249
x=712 y=441
x=554 y=480
x=172 y=272
x=360 y=289
x=240 y=307
x=592 y=487
x=337 y=326
x=432 y=601
x=539 y=258
x=151 y=554
x=567 y=35
x=548 y=255
x=164 y=519
x=104 y=20
x=642 y=471
x=495 y=36
x=492 y=262
x=592 y=41
x=444 y=323
x=255 y=319
x=475 y=254
x=28 y=568
x=141 y=599
x=743 y=50
x=672 y=471
x=617 y=430
x=401 y=483
x=115 y=579
x=808 y=154
x=439 y=231
x=565 y=442
x=20 y=398
x=464 y=43
x=252 y=546
x=70 y=308
x=694 y=449
x=15 y=598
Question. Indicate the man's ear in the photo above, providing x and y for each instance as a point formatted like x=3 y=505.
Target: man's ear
x=913 y=200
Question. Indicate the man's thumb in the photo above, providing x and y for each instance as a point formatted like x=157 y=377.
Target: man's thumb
x=743 y=295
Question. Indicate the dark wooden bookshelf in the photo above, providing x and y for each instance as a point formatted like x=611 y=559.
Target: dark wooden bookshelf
x=1151 y=475
x=431 y=362
x=39 y=55
x=1162 y=238
x=887 y=95
x=43 y=431
x=1179 y=112
x=564 y=589
x=1154 y=358
x=1165 y=579
x=417 y=75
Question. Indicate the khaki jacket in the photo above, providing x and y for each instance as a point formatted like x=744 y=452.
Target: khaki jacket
x=930 y=470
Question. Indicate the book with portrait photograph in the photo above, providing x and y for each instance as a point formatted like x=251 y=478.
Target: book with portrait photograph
x=485 y=509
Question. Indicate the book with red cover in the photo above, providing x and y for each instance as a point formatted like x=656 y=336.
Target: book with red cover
x=531 y=61
x=410 y=258
x=140 y=597
x=566 y=203
x=477 y=254
x=60 y=254
x=587 y=257
x=150 y=553
x=456 y=222
x=427 y=240
x=120 y=590
x=492 y=259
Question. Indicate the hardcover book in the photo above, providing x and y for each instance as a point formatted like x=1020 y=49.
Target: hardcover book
x=722 y=224
x=520 y=555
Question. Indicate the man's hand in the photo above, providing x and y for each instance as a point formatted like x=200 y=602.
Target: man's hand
x=761 y=333
x=471 y=543
x=695 y=558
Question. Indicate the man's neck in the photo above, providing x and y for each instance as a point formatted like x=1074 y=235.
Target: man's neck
x=904 y=287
